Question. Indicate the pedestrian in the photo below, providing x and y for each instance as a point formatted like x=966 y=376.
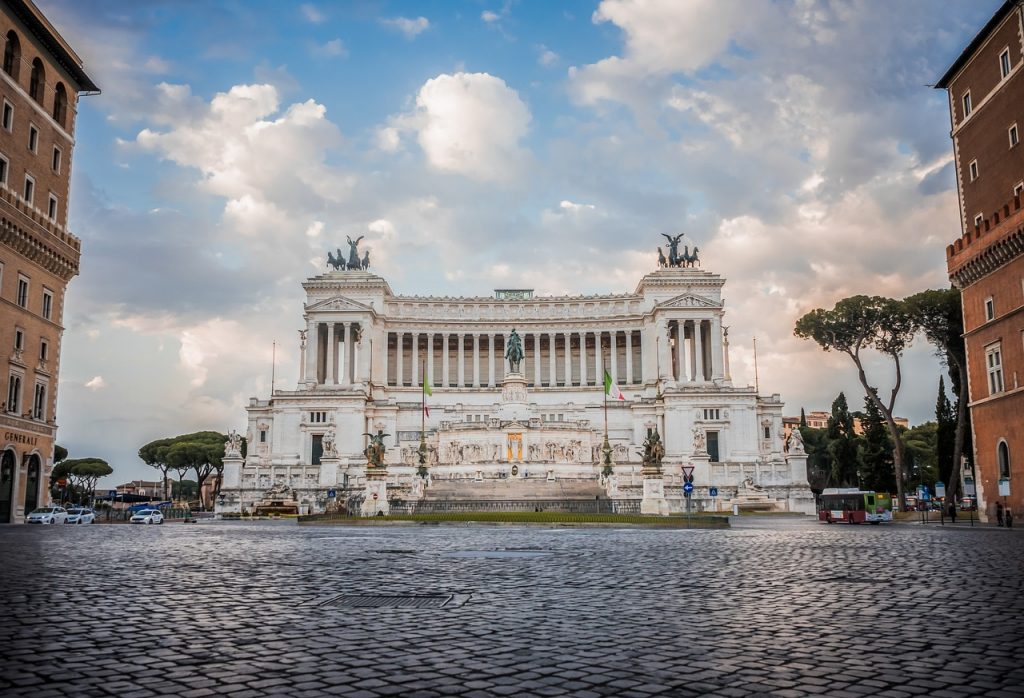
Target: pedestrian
x=1009 y=517
x=999 y=513
x=952 y=512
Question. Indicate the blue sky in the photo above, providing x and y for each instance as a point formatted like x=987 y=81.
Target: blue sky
x=487 y=144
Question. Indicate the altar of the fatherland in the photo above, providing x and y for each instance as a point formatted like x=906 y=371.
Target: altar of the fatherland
x=494 y=436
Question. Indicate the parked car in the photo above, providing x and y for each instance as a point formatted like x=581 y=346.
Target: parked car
x=81 y=515
x=47 y=515
x=148 y=516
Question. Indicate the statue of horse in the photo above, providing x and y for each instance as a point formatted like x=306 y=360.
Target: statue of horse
x=366 y=260
x=662 y=262
x=335 y=262
x=514 y=353
x=692 y=259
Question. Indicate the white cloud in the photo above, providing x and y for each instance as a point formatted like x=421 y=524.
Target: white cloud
x=331 y=49
x=96 y=383
x=546 y=57
x=470 y=124
x=388 y=139
x=311 y=13
x=489 y=16
x=411 y=28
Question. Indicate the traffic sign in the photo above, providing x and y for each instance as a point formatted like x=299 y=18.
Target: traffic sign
x=940 y=490
x=688 y=470
x=112 y=494
x=688 y=487
x=331 y=494
x=374 y=495
x=969 y=488
x=712 y=491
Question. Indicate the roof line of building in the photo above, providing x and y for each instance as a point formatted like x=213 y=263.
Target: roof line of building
x=49 y=36
x=979 y=38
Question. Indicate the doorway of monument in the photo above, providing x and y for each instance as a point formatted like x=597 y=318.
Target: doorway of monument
x=32 y=484
x=713 y=446
x=6 y=486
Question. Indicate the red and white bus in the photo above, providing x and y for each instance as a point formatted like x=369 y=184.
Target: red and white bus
x=852 y=505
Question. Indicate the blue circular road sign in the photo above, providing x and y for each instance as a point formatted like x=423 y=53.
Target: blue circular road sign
x=688 y=487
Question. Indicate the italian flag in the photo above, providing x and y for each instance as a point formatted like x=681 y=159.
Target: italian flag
x=610 y=389
x=427 y=390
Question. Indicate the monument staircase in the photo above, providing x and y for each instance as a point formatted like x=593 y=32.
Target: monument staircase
x=513 y=494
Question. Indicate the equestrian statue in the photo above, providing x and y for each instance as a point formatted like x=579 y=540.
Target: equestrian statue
x=676 y=260
x=354 y=262
x=514 y=353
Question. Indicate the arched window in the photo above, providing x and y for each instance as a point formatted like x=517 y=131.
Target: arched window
x=60 y=103
x=12 y=55
x=1004 y=459
x=38 y=81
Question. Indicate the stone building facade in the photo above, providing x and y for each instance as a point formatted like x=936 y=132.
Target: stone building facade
x=40 y=83
x=366 y=352
x=986 y=98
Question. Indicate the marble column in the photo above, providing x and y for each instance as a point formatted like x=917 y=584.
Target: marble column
x=629 y=356
x=725 y=356
x=717 y=373
x=613 y=356
x=552 y=382
x=476 y=360
x=536 y=360
x=446 y=360
x=567 y=359
x=598 y=358
x=415 y=368
x=490 y=360
x=664 y=358
x=430 y=357
x=312 y=341
x=399 y=368
x=461 y=354
x=698 y=351
x=363 y=351
x=681 y=350
x=583 y=358
x=331 y=347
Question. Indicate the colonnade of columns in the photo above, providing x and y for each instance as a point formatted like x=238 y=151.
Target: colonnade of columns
x=336 y=353
x=696 y=349
x=552 y=358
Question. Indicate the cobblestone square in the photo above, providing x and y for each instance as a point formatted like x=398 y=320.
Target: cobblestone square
x=773 y=606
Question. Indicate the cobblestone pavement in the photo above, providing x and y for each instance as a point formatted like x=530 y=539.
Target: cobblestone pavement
x=774 y=606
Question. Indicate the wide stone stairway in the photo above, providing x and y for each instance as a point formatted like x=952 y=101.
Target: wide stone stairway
x=506 y=489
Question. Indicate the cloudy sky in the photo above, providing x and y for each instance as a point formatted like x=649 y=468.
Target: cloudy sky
x=488 y=144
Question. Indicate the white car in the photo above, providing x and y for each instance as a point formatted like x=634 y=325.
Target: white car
x=47 y=515
x=80 y=516
x=148 y=516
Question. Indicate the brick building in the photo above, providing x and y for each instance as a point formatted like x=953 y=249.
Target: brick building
x=40 y=83
x=986 y=100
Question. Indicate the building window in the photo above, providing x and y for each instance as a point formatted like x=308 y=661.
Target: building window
x=44 y=350
x=967 y=104
x=994 y=366
x=60 y=104
x=1003 y=456
x=47 y=304
x=712 y=413
x=4 y=167
x=1004 y=63
x=8 y=117
x=1018 y=189
x=30 y=189
x=33 y=138
x=55 y=163
x=39 y=402
x=51 y=208
x=37 y=81
x=990 y=309
x=22 y=291
x=318 y=417
x=973 y=167
x=19 y=340
x=978 y=220
x=12 y=55
x=767 y=432
x=1014 y=136
x=263 y=436
x=13 y=393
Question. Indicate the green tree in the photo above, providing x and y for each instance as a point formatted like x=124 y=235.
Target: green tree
x=875 y=451
x=842 y=445
x=945 y=436
x=83 y=473
x=939 y=315
x=184 y=489
x=922 y=458
x=59 y=453
x=154 y=454
x=200 y=452
x=859 y=323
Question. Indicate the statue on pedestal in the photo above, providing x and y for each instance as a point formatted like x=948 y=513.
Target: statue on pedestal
x=375 y=450
x=514 y=352
x=699 y=444
x=796 y=441
x=330 y=450
x=233 y=446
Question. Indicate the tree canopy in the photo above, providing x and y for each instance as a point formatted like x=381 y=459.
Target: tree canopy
x=201 y=452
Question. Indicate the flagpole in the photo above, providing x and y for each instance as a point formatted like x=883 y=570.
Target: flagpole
x=757 y=385
x=273 y=367
x=422 y=450
x=606 y=448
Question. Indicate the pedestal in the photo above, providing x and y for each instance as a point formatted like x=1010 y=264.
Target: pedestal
x=328 y=472
x=514 y=406
x=654 y=501
x=375 y=498
x=232 y=483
